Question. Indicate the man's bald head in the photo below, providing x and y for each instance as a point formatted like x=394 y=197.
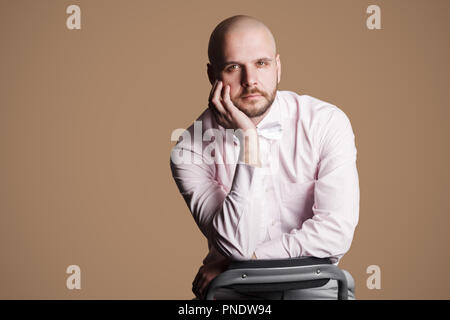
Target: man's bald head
x=236 y=24
x=243 y=56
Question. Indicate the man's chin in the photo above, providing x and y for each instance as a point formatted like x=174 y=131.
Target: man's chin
x=254 y=109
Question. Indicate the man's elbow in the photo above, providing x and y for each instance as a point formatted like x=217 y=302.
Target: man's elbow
x=342 y=245
x=229 y=249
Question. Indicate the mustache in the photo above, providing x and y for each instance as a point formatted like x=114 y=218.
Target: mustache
x=254 y=91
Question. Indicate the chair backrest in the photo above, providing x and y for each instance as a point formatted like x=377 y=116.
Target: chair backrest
x=279 y=275
x=281 y=263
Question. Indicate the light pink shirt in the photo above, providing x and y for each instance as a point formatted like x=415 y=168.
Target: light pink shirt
x=303 y=201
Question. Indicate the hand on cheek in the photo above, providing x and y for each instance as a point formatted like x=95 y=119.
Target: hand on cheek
x=225 y=112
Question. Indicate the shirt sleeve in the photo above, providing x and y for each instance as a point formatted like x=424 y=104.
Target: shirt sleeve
x=329 y=232
x=226 y=219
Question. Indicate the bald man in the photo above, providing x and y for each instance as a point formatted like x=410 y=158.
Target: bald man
x=291 y=187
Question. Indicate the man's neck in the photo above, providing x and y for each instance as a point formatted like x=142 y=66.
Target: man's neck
x=258 y=119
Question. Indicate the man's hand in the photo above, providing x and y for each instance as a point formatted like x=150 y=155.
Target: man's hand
x=206 y=274
x=226 y=113
x=230 y=117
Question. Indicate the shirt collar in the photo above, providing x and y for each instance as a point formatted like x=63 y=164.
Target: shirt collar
x=273 y=116
x=271 y=121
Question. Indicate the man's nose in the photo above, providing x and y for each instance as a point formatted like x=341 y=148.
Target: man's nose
x=249 y=77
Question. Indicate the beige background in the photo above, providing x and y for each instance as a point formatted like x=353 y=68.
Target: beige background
x=86 y=118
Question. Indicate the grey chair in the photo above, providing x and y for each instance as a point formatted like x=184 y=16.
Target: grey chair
x=279 y=276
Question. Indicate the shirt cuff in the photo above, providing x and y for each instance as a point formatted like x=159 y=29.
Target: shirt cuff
x=273 y=249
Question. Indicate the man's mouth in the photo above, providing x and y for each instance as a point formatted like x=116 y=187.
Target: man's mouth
x=251 y=96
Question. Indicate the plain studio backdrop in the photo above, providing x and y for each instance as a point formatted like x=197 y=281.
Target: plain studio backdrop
x=86 y=118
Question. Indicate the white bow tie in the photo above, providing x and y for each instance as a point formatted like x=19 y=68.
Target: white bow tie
x=271 y=131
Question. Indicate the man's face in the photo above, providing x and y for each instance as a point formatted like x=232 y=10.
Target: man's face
x=252 y=69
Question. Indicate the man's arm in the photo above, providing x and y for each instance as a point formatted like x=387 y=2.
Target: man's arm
x=329 y=232
x=226 y=219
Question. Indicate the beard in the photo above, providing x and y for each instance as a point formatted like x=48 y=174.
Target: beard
x=256 y=108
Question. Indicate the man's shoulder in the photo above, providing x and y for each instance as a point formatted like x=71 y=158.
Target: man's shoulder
x=307 y=108
x=306 y=102
x=192 y=136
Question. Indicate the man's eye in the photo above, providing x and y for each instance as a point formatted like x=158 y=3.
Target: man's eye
x=233 y=67
x=262 y=63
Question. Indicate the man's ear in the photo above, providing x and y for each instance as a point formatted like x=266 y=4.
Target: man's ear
x=278 y=67
x=211 y=75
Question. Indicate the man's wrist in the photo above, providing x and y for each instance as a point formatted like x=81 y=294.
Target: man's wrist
x=249 y=152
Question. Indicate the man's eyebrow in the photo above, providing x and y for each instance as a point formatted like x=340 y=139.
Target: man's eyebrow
x=226 y=63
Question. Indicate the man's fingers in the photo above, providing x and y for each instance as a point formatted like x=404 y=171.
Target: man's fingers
x=219 y=118
x=198 y=288
x=203 y=285
x=197 y=278
x=217 y=97
x=228 y=104
x=196 y=291
x=212 y=90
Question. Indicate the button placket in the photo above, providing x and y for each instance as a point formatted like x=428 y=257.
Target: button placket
x=274 y=184
x=274 y=223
